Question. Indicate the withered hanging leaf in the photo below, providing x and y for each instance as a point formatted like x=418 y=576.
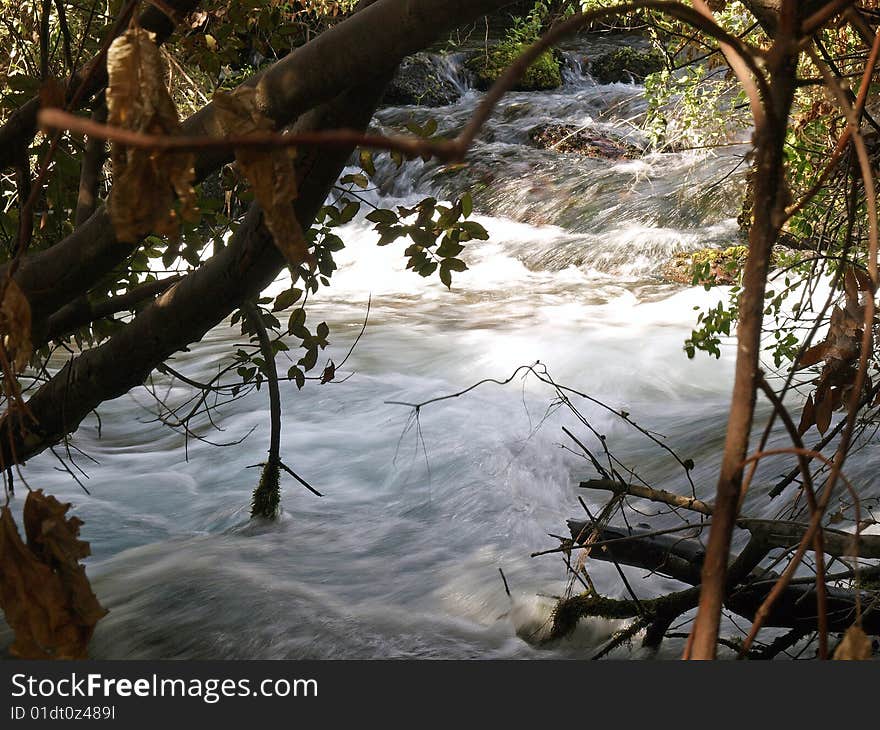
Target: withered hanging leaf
x=44 y=592
x=855 y=646
x=812 y=356
x=329 y=373
x=863 y=279
x=840 y=353
x=824 y=408
x=15 y=325
x=270 y=173
x=144 y=181
x=54 y=539
x=808 y=416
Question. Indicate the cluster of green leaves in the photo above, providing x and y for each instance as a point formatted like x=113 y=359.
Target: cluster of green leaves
x=437 y=232
x=693 y=107
x=695 y=103
x=716 y=322
x=712 y=324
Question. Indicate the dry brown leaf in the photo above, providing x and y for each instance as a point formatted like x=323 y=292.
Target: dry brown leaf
x=840 y=353
x=823 y=413
x=270 y=173
x=15 y=325
x=808 y=416
x=145 y=182
x=44 y=591
x=54 y=539
x=855 y=646
x=812 y=356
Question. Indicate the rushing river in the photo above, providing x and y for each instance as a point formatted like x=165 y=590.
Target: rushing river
x=400 y=557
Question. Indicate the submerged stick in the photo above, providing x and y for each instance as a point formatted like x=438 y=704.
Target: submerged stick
x=267 y=495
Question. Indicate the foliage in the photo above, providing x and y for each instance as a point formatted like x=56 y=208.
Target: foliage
x=543 y=73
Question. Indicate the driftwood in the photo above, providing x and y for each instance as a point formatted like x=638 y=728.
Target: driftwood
x=775 y=533
x=681 y=558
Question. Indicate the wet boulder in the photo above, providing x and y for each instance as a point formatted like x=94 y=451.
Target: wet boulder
x=420 y=81
x=625 y=65
x=582 y=141
x=544 y=74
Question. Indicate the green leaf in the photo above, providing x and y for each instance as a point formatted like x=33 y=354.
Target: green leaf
x=297 y=376
x=475 y=230
x=446 y=275
x=423 y=237
x=349 y=212
x=296 y=325
x=310 y=359
x=467 y=205
x=286 y=299
x=366 y=161
x=449 y=248
x=358 y=179
x=428 y=268
x=382 y=215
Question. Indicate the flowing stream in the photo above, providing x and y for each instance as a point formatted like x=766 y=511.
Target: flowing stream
x=400 y=557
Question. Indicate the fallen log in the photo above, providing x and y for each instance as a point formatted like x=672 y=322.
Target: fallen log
x=776 y=533
x=681 y=558
x=674 y=556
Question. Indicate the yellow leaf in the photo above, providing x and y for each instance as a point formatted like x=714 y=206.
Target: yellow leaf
x=270 y=173
x=856 y=646
x=15 y=325
x=145 y=182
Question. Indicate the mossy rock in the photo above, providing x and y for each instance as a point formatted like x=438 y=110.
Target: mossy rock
x=624 y=65
x=418 y=81
x=707 y=266
x=571 y=138
x=543 y=75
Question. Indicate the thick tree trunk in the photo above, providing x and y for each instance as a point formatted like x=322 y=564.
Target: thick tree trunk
x=322 y=70
x=189 y=309
x=313 y=74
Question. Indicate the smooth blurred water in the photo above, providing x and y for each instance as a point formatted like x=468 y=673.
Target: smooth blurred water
x=400 y=558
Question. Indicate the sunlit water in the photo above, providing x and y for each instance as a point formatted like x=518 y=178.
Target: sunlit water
x=400 y=557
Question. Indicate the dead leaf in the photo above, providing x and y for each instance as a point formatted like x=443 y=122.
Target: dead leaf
x=15 y=325
x=840 y=353
x=44 y=591
x=808 y=417
x=329 y=373
x=271 y=173
x=812 y=356
x=145 y=182
x=823 y=413
x=54 y=539
x=855 y=646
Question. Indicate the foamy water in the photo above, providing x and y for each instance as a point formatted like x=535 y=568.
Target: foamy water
x=400 y=558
